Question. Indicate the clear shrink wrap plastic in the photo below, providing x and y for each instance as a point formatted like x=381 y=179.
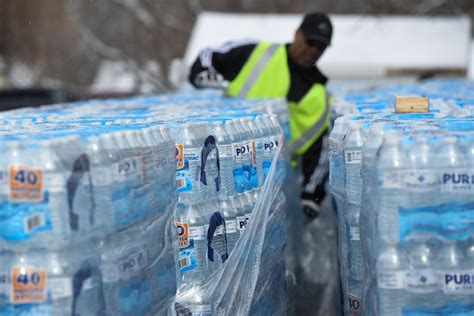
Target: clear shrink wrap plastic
x=92 y=194
x=408 y=249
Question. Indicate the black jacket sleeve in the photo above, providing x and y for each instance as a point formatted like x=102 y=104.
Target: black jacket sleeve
x=227 y=60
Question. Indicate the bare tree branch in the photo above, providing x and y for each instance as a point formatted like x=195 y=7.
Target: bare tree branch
x=142 y=15
x=100 y=48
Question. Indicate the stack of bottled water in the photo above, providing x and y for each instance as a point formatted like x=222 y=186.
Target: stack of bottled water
x=145 y=206
x=84 y=226
x=403 y=185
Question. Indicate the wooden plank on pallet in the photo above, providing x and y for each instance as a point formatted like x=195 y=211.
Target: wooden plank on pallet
x=411 y=104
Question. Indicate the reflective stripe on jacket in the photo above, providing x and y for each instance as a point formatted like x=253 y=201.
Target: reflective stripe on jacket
x=266 y=75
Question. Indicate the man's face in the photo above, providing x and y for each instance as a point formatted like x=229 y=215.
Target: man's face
x=305 y=53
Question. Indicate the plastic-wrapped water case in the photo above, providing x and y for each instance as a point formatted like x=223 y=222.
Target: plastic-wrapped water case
x=157 y=205
x=404 y=191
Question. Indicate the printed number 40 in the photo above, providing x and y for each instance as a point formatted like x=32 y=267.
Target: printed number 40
x=23 y=278
x=354 y=304
x=26 y=177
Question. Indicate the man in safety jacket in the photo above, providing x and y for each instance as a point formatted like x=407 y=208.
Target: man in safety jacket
x=261 y=70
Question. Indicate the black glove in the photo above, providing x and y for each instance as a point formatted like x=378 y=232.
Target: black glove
x=310 y=209
x=210 y=79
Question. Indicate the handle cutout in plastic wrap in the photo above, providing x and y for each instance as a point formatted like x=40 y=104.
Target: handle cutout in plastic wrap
x=210 y=144
x=88 y=270
x=216 y=220
x=80 y=167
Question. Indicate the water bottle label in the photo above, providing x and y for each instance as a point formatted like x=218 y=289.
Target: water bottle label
x=127 y=266
x=266 y=165
x=242 y=151
x=183 y=179
x=179 y=156
x=460 y=182
x=192 y=154
x=391 y=280
x=184 y=175
x=231 y=226
x=250 y=176
x=422 y=281
x=460 y=282
x=242 y=222
x=186 y=254
x=456 y=308
x=239 y=180
x=236 y=148
x=259 y=145
x=421 y=179
x=392 y=179
x=26 y=184
x=187 y=258
x=354 y=233
x=253 y=152
x=28 y=285
x=61 y=287
x=219 y=230
x=453 y=220
x=197 y=232
x=34 y=222
x=355 y=304
x=225 y=151
x=103 y=176
x=353 y=156
x=183 y=235
x=270 y=146
x=24 y=220
x=55 y=182
x=128 y=168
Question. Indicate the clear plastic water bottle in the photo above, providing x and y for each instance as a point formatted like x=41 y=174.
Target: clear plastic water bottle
x=391 y=165
x=188 y=163
x=244 y=212
x=192 y=246
x=37 y=207
x=421 y=177
x=224 y=145
x=256 y=152
x=453 y=166
x=422 y=280
x=392 y=266
x=192 y=258
x=130 y=261
x=450 y=264
x=229 y=211
x=245 y=152
x=336 y=167
x=272 y=143
x=102 y=177
x=57 y=283
x=237 y=171
x=263 y=141
x=353 y=163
